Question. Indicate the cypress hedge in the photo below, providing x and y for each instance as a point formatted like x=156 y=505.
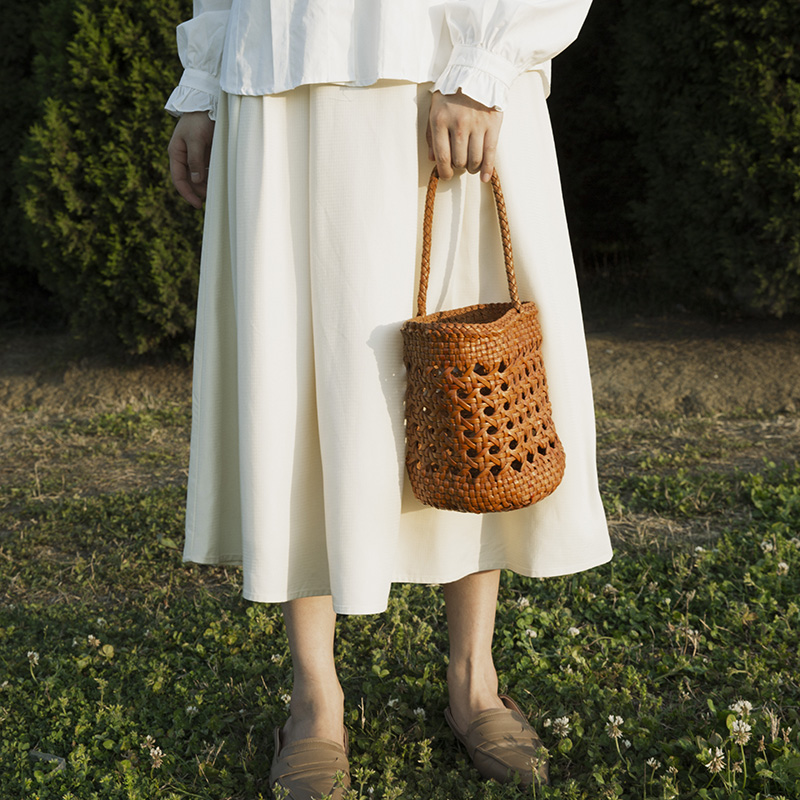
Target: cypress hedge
x=711 y=91
x=19 y=288
x=682 y=116
x=599 y=172
x=114 y=242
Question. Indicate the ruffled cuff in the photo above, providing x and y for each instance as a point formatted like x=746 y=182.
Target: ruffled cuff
x=197 y=91
x=200 y=44
x=480 y=74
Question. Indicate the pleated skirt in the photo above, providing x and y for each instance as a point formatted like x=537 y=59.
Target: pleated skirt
x=309 y=268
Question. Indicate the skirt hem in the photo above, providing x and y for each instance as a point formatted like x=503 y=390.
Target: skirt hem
x=428 y=580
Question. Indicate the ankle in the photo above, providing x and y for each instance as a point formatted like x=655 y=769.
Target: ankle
x=316 y=713
x=472 y=675
x=472 y=689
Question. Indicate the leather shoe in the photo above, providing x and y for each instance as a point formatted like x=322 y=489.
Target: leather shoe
x=307 y=769
x=502 y=744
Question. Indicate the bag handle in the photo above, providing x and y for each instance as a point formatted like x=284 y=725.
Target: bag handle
x=425 y=268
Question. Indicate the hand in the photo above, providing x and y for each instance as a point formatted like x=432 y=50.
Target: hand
x=462 y=134
x=189 y=153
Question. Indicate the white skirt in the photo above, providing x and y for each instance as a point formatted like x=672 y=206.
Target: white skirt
x=309 y=268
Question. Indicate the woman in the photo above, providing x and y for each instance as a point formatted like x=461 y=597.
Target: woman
x=328 y=115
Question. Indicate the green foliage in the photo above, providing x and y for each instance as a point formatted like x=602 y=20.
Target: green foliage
x=711 y=91
x=114 y=243
x=18 y=284
x=668 y=673
x=600 y=175
x=149 y=678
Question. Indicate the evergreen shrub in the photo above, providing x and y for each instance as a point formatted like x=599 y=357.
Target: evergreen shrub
x=114 y=242
x=599 y=172
x=711 y=91
x=18 y=284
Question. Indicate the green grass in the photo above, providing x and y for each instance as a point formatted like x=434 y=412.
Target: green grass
x=130 y=423
x=107 y=638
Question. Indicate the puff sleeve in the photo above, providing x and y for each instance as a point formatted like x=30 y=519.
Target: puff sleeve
x=495 y=41
x=200 y=45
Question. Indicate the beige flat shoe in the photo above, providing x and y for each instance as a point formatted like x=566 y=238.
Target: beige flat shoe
x=308 y=768
x=501 y=744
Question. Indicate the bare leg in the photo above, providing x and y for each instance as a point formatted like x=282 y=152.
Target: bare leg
x=317 y=707
x=471 y=675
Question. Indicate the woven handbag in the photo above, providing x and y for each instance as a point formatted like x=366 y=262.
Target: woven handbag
x=479 y=428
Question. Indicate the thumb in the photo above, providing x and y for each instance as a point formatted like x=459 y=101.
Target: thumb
x=197 y=159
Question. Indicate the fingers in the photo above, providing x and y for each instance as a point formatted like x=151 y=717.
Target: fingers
x=489 y=154
x=462 y=134
x=179 y=171
x=189 y=153
x=440 y=137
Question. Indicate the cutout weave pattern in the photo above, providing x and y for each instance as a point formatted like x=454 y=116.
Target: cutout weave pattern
x=479 y=430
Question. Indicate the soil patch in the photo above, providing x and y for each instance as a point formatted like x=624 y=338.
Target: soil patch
x=670 y=395
x=668 y=366
x=55 y=374
x=690 y=367
x=75 y=423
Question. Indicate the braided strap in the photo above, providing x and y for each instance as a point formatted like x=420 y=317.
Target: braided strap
x=427 y=224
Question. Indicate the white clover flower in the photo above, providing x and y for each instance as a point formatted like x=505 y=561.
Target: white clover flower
x=717 y=762
x=547 y=723
x=783 y=568
x=419 y=713
x=33 y=658
x=191 y=710
x=561 y=727
x=693 y=636
x=392 y=703
x=795 y=541
x=737 y=766
x=609 y=588
x=613 y=727
x=573 y=631
x=275 y=658
x=157 y=756
x=653 y=764
x=93 y=640
x=741 y=707
x=767 y=546
x=652 y=586
x=740 y=731
x=699 y=549
x=100 y=621
x=149 y=743
x=531 y=633
x=523 y=602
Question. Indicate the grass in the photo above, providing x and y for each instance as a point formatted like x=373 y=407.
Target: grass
x=670 y=673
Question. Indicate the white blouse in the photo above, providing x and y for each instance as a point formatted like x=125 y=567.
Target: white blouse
x=257 y=47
